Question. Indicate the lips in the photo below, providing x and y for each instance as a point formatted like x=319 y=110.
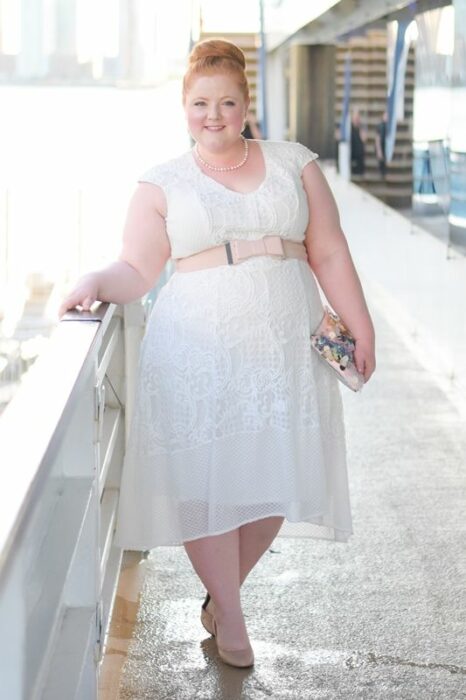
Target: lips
x=214 y=128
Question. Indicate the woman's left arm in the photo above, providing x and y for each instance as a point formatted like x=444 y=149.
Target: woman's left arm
x=331 y=262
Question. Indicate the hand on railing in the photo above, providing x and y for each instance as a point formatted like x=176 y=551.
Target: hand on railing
x=84 y=294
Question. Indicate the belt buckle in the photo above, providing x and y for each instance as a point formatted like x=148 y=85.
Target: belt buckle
x=230 y=260
x=239 y=250
x=274 y=246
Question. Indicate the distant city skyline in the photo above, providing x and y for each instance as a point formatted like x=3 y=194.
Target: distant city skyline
x=140 y=40
x=135 y=41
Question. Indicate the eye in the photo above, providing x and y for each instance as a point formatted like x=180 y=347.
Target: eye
x=199 y=103
x=230 y=103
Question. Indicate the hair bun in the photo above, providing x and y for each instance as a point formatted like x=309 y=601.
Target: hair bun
x=213 y=57
x=217 y=49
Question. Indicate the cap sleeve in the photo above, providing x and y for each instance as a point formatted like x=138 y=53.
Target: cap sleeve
x=165 y=175
x=304 y=155
x=153 y=175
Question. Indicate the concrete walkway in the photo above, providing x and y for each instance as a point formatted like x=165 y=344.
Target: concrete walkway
x=381 y=617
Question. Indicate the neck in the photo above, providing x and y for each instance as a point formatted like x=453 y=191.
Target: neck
x=229 y=156
x=224 y=167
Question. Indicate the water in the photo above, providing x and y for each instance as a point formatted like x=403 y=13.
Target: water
x=86 y=133
x=70 y=157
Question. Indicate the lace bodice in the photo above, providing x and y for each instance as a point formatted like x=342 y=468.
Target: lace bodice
x=202 y=212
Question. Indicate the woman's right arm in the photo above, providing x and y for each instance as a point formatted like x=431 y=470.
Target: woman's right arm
x=144 y=253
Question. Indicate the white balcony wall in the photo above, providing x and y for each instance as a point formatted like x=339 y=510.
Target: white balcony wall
x=63 y=438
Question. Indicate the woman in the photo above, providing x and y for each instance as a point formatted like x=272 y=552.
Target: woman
x=237 y=424
x=358 y=147
x=380 y=141
x=252 y=129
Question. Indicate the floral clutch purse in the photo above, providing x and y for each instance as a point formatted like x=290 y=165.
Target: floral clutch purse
x=335 y=344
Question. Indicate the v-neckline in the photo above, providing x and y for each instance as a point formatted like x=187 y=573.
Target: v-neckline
x=228 y=189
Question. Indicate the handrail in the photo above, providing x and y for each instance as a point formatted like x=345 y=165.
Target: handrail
x=62 y=441
x=26 y=453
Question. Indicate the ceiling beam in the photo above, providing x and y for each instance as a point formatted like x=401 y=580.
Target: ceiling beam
x=351 y=15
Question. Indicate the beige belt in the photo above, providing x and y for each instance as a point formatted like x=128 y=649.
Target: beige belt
x=236 y=251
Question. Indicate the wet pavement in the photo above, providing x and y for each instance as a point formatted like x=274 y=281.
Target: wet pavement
x=383 y=616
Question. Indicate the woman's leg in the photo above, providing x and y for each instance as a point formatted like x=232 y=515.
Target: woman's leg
x=222 y=562
x=254 y=540
x=216 y=561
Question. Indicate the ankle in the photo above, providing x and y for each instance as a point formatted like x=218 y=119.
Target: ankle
x=226 y=607
x=228 y=615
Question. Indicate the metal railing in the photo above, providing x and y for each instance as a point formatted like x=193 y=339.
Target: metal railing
x=62 y=441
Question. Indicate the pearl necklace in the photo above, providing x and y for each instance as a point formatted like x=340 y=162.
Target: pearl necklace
x=224 y=168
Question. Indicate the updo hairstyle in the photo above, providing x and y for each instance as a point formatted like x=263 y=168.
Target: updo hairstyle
x=213 y=56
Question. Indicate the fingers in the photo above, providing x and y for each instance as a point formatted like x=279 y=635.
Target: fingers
x=62 y=311
x=65 y=306
x=369 y=367
x=359 y=360
x=74 y=300
x=360 y=364
x=365 y=363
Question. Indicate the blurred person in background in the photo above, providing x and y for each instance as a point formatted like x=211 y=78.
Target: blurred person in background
x=380 y=136
x=252 y=129
x=358 y=140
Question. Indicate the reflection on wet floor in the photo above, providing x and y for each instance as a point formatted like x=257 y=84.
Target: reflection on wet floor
x=122 y=626
x=380 y=617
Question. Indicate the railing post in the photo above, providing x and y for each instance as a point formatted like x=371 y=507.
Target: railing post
x=134 y=317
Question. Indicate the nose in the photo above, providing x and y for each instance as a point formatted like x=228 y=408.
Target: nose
x=214 y=113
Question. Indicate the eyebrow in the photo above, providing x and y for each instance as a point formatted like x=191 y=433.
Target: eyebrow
x=200 y=97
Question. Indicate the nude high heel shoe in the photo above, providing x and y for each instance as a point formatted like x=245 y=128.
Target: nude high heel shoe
x=241 y=658
x=207 y=617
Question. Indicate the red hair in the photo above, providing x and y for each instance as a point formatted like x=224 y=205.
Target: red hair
x=213 y=56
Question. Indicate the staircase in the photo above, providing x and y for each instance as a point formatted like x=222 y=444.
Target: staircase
x=369 y=94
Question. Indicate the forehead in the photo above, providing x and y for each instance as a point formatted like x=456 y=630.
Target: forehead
x=218 y=84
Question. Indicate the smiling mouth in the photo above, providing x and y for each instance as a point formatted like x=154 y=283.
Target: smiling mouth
x=214 y=128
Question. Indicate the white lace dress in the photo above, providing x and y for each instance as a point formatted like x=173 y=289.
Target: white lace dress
x=236 y=418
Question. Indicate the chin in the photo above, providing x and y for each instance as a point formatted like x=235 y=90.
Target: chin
x=218 y=139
